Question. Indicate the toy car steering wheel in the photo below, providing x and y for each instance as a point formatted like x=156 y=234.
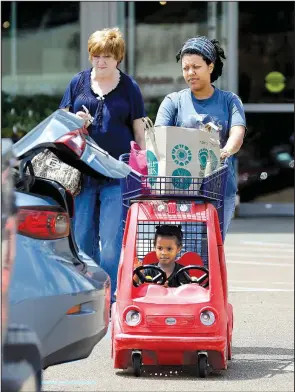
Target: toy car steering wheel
x=160 y=278
x=203 y=281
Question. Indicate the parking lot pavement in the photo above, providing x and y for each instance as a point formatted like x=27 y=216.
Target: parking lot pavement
x=260 y=259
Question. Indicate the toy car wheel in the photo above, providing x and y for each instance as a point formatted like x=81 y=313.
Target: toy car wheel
x=136 y=362
x=203 y=366
x=229 y=350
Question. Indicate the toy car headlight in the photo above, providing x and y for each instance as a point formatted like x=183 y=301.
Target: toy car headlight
x=184 y=207
x=133 y=318
x=162 y=207
x=207 y=317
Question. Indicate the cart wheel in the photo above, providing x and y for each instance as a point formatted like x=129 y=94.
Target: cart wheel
x=203 y=366
x=136 y=362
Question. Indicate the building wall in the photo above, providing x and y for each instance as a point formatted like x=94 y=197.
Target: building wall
x=40 y=48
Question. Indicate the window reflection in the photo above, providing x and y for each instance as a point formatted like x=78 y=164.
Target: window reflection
x=42 y=52
x=266 y=159
x=266 y=45
x=160 y=32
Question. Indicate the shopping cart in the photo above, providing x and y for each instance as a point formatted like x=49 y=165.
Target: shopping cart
x=210 y=189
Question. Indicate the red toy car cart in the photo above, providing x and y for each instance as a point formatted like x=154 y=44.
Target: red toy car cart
x=187 y=325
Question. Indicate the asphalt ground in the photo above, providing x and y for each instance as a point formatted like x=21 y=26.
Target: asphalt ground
x=260 y=263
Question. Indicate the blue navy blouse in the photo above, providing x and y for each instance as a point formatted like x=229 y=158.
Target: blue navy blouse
x=114 y=113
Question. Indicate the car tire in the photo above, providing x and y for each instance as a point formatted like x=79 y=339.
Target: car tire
x=22 y=346
x=19 y=377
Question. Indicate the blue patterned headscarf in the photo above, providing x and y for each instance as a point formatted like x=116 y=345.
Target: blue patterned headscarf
x=203 y=45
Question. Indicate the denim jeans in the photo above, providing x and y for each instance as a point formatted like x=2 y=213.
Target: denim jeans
x=98 y=225
x=229 y=209
x=199 y=245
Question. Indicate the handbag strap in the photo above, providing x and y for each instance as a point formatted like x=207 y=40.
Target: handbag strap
x=150 y=131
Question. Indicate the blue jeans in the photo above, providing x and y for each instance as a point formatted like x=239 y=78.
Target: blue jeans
x=98 y=225
x=229 y=209
x=191 y=245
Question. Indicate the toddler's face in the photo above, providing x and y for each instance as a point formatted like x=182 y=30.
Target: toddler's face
x=166 y=249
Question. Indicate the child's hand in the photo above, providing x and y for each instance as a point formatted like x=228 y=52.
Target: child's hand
x=137 y=263
x=166 y=284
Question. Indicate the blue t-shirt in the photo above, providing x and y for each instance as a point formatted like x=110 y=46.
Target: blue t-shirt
x=223 y=108
x=112 y=128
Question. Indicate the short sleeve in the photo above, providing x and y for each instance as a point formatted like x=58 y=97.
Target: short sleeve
x=69 y=95
x=237 y=113
x=137 y=104
x=167 y=112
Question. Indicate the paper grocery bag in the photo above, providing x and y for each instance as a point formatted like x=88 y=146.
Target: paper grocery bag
x=182 y=155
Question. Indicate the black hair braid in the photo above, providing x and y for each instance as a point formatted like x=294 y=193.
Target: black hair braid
x=178 y=55
x=218 y=65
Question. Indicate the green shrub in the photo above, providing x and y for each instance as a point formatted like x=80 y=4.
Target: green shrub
x=21 y=113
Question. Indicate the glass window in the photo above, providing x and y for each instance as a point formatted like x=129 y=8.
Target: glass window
x=40 y=46
x=160 y=32
x=266 y=159
x=161 y=28
x=266 y=52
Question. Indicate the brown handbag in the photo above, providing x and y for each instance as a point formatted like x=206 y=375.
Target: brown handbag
x=47 y=165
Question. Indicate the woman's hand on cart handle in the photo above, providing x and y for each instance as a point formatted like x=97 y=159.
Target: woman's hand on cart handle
x=225 y=153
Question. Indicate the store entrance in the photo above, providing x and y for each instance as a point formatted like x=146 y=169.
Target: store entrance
x=266 y=160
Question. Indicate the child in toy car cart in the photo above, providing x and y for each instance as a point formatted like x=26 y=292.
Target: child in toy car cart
x=168 y=244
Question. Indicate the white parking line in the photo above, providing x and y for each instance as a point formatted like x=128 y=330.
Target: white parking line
x=260 y=289
x=247 y=249
x=289 y=368
x=259 y=281
x=275 y=244
x=69 y=382
x=265 y=256
x=267 y=357
x=258 y=263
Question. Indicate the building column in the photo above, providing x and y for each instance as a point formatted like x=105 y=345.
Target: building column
x=232 y=46
x=95 y=16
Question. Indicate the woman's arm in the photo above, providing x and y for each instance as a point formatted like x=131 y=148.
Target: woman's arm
x=138 y=130
x=237 y=127
x=68 y=99
x=166 y=113
x=234 y=142
x=137 y=112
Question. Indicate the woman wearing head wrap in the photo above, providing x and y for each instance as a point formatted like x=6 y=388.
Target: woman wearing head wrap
x=201 y=62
